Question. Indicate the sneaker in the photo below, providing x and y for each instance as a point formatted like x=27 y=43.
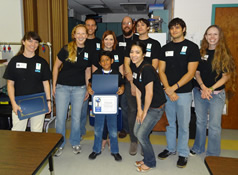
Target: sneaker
x=117 y=156
x=59 y=152
x=76 y=149
x=133 y=148
x=192 y=153
x=122 y=134
x=182 y=162
x=165 y=154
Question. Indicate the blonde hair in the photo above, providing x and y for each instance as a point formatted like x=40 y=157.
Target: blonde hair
x=223 y=60
x=72 y=46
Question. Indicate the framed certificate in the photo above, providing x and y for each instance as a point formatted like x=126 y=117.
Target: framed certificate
x=105 y=104
x=31 y=105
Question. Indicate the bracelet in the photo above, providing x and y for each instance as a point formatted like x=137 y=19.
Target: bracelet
x=211 y=88
x=48 y=100
x=177 y=85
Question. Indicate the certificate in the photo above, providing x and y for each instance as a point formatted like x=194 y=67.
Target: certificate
x=31 y=105
x=105 y=104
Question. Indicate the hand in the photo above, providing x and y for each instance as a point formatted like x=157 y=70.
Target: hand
x=90 y=91
x=206 y=93
x=53 y=90
x=169 y=90
x=16 y=108
x=86 y=96
x=173 y=97
x=139 y=115
x=49 y=107
x=120 y=90
x=143 y=116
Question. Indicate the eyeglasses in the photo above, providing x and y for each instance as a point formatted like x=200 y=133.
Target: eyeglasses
x=127 y=23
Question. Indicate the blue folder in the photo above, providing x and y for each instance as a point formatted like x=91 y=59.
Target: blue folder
x=32 y=105
x=105 y=84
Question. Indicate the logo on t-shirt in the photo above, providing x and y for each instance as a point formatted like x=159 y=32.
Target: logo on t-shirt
x=205 y=57
x=148 y=47
x=38 y=67
x=183 y=50
x=134 y=75
x=85 y=56
x=116 y=58
x=98 y=46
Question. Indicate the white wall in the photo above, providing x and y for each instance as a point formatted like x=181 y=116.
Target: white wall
x=197 y=15
x=11 y=23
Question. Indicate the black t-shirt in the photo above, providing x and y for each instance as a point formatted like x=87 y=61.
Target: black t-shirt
x=120 y=81
x=123 y=42
x=27 y=74
x=142 y=77
x=73 y=74
x=93 y=44
x=153 y=49
x=117 y=56
x=208 y=76
x=177 y=56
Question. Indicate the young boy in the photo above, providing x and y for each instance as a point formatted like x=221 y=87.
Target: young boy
x=111 y=119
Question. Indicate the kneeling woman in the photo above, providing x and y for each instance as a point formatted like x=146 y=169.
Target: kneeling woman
x=150 y=103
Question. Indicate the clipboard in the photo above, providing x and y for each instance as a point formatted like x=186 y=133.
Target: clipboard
x=32 y=105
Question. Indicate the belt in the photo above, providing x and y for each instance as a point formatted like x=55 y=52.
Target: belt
x=159 y=107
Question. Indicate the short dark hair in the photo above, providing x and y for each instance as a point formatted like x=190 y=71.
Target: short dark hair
x=144 y=21
x=105 y=53
x=177 y=21
x=90 y=18
x=141 y=45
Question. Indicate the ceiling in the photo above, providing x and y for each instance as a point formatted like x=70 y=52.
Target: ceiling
x=85 y=7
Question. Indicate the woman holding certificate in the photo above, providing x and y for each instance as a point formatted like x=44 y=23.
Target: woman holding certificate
x=150 y=99
x=27 y=73
x=69 y=85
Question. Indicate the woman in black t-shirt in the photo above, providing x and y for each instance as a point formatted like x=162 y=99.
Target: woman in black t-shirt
x=150 y=99
x=27 y=73
x=69 y=85
x=214 y=71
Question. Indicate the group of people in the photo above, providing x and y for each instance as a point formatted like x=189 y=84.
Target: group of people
x=151 y=80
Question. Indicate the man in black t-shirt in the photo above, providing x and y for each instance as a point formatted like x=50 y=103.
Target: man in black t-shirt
x=94 y=44
x=177 y=66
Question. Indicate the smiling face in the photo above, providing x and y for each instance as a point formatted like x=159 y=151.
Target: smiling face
x=80 y=36
x=136 y=55
x=91 y=26
x=108 y=42
x=177 y=33
x=212 y=37
x=106 y=62
x=31 y=45
x=142 y=28
x=127 y=26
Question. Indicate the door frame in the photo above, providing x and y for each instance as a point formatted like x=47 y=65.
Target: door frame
x=214 y=6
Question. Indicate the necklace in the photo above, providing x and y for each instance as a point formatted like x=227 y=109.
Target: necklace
x=81 y=50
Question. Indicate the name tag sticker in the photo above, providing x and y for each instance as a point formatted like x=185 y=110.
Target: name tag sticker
x=122 y=44
x=205 y=57
x=169 y=53
x=148 y=54
x=134 y=75
x=21 y=65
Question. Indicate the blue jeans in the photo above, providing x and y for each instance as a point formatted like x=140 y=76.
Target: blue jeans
x=180 y=110
x=142 y=132
x=111 y=120
x=215 y=107
x=84 y=114
x=64 y=96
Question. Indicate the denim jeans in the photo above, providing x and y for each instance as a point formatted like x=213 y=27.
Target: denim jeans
x=84 y=114
x=111 y=120
x=180 y=110
x=64 y=96
x=131 y=111
x=142 y=132
x=214 y=107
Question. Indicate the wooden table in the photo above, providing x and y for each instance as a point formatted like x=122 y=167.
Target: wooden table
x=23 y=153
x=222 y=165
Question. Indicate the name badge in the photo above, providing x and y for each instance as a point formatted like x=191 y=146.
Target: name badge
x=122 y=44
x=205 y=57
x=169 y=53
x=38 y=67
x=21 y=65
x=85 y=56
x=134 y=75
x=148 y=54
x=183 y=50
x=116 y=59
x=98 y=46
x=148 y=47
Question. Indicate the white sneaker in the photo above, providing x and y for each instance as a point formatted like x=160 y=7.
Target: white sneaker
x=59 y=152
x=76 y=149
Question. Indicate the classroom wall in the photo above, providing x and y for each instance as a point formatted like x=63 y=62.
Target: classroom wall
x=197 y=15
x=11 y=24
